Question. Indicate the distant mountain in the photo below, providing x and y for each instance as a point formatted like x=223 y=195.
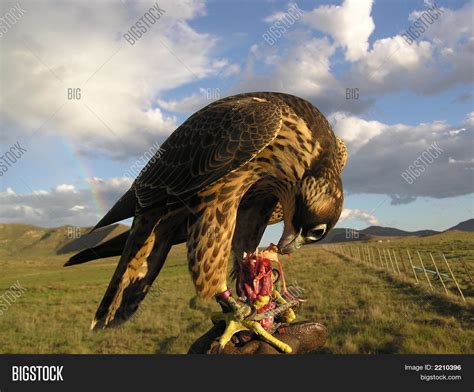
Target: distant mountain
x=393 y=232
x=343 y=234
x=464 y=226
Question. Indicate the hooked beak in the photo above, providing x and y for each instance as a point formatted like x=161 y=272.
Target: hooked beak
x=290 y=243
x=295 y=240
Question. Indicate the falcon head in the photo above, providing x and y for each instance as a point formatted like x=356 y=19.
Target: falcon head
x=314 y=205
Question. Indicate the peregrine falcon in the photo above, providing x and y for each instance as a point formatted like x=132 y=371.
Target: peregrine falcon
x=228 y=171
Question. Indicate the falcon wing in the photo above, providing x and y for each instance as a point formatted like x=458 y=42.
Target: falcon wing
x=211 y=143
x=223 y=135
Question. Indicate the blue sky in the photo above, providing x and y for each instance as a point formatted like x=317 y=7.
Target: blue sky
x=411 y=96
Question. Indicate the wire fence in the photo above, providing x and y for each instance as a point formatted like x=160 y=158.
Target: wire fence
x=430 y=270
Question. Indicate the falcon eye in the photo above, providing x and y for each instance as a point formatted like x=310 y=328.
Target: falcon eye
x=316 y=232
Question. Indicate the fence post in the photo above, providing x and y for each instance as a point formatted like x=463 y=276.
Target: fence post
x=439 y=275
x=396 y=262
x=380 y=257
x=391 y=262
x=385 y=257
x=373 y=255
x=455 y=281
x=413 y=267
x=424 y=270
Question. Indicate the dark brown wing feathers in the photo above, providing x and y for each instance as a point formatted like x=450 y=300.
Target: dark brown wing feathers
x=210 y=144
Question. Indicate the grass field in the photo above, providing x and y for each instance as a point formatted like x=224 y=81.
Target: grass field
x=366 y=309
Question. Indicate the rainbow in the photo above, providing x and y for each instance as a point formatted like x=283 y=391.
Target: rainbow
x=85 y=172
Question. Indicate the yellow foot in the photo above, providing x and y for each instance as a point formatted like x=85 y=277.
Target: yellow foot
x=233 y=325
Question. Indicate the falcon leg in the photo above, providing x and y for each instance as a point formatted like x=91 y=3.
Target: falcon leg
x=236 y=321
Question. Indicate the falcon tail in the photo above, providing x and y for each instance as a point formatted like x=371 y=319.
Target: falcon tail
x=124 y=208
x=143 y=256
x=112 y=247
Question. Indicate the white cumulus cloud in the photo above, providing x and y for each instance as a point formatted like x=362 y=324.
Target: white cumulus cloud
x=350 y=24
x=58 y=46
x=367 y=217
x=62 y=204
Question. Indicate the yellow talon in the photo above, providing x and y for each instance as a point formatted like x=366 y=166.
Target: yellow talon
x=266 y=336
x=289 y=316
x=233 y=326
x=236 y=322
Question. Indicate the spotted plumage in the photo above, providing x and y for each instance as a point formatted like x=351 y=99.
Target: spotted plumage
x=231 y=169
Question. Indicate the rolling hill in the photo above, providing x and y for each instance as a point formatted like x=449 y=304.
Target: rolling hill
x=16 y=238
x=467 y=225
x=33 y=240
x=343 y=234
x=393 y=232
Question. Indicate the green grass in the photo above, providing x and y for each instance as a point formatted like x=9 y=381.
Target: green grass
x=458 y=248
x=366 y=309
